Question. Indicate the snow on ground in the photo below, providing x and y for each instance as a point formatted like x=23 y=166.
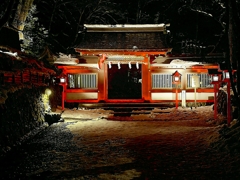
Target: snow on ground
x=204 y=113
x=183 y=142
x=174 y=141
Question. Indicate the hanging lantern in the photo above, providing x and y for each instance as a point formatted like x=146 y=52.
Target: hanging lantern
x=129 y=65
x=109 y=65
x=137 y=65
x=176 y=78
x=119 y=66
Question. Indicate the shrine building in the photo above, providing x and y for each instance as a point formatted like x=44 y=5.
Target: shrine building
x=132 y=64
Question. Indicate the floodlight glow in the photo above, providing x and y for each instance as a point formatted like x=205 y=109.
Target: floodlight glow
x=48 y=92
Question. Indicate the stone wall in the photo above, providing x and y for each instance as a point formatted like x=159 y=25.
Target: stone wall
x=22 y=111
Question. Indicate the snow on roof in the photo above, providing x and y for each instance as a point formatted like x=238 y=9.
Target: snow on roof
x=123 y=25
x=66 y=59
x=182 y=62
x=15 y=54
x=126 y=27
x=164 y=60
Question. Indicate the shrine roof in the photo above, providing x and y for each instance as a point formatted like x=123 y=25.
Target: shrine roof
x=130 y=36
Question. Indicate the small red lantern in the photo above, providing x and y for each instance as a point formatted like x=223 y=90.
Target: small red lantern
x=62 y=80
x=176 y=78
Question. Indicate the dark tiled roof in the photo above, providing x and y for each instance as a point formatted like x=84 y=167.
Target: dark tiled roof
x=123 y=40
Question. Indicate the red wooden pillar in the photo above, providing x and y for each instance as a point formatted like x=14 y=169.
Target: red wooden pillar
x=226 y=78
x=215 y=101
x=63 y=97
x=176 y=96
x=63 y=82
x=146 y=79
x=176 y=79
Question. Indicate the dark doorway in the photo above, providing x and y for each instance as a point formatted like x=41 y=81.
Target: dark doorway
x=124 y=83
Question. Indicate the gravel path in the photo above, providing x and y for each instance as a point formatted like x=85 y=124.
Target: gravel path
x=97 y=148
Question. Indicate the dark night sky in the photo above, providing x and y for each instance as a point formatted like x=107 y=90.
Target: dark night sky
x=189 y=20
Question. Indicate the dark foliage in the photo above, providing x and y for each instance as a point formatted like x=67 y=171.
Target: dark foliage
x=192 y=22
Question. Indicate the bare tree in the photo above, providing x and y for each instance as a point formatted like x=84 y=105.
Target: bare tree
x=64 y=19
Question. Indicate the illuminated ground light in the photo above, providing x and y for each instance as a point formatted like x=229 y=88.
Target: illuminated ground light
x=48 y=92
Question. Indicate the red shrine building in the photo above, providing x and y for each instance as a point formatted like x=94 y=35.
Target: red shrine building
x=132 y=64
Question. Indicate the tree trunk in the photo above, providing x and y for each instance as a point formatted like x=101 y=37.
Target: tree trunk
x=233 y=63
x=236 y=19
x=21 y=14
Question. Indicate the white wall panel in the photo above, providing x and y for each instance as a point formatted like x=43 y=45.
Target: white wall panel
x=79 y=96
x=165 y=96
x=189 y=96
x=199 y=96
